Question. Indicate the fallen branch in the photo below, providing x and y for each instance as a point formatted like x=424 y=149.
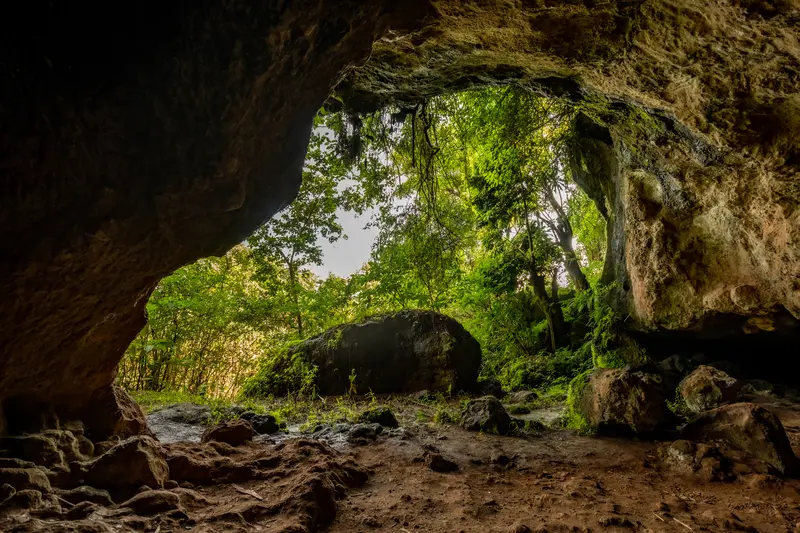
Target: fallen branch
x=252 y=493
x=684 y=525
x=654 y=514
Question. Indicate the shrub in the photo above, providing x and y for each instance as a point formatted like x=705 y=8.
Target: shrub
x=281 y=375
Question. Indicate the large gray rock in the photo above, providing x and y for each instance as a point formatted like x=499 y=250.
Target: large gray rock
x=708 y=388
x=749 y=428
x=617 y=400
x=402 y=352
x=486 y=414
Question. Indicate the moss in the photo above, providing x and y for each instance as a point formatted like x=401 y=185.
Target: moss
x=574 y=416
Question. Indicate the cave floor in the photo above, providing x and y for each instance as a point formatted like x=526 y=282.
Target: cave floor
x=550 y=481
x=557 y=482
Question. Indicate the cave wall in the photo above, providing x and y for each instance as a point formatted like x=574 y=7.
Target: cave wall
x=133 y=147
x=695 y=137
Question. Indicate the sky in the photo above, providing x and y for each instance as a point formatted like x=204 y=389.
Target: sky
x=345 y=257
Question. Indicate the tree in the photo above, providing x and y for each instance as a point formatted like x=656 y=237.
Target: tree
x=289 y=242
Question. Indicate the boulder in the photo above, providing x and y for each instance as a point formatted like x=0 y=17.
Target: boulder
x=618 y=400
x=379 y=415
x=522 y=396
x=486 y=414
x=262 y=424
x=234 y=432
x=133 y=462
x=402 y=352
x=749 y=428
x=114 y=412
x=707 y=388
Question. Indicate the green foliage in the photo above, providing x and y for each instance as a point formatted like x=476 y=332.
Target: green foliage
x=575 y=418
x=475 y=206
x=281 y=375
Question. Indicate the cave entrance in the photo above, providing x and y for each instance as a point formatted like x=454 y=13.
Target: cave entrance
x=466 y=204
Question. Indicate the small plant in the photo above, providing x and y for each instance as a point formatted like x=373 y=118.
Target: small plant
x=353 y=390
x=444 y=416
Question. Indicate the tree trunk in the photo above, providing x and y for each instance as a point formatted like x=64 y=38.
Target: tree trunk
x=551 y=309
x=295 y=300
x=563 y=233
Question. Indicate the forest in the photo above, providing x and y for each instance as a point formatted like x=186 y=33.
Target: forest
x=478 y=216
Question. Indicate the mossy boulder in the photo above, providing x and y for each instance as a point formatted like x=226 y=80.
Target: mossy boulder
x=620 y=401
x=401 y=352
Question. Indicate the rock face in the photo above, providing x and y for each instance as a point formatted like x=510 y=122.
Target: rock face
x=196 y=134
x=707 y=388
x=616 y=400
x=749 y=428
x=402 y=352
x=486 y=414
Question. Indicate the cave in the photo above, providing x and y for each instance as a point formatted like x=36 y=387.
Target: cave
x=136 y=142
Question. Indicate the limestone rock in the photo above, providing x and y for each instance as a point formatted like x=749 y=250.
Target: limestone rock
x=749 y=428
x=486 y=414
x=25 y=479
x=707 y=388
x=234 y=432
x=85 y=493
x=38 y=449
x=113 y=412
x=379 y=415
x=617 y=400
x=152 y=502
x=133 y=462
x=402 y=352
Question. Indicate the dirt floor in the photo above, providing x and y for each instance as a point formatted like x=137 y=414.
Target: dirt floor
x=341 y=479
x=553 y=482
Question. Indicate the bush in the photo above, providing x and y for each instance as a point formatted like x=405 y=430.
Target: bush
x=281 y=375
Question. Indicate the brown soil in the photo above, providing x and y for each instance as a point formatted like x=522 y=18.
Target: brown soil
x=559 y=482
x=555 y=481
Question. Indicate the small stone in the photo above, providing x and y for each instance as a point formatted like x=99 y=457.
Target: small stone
x=379 y=415
x=265 y=424
x=153 y=502
x=438 y=463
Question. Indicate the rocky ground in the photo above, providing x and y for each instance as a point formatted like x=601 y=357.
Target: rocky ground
x=420 y=476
